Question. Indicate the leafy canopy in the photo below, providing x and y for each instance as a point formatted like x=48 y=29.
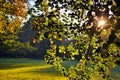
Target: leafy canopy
x=93 y=24
x=12 y=13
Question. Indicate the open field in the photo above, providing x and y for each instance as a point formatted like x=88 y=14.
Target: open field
x=27 y=69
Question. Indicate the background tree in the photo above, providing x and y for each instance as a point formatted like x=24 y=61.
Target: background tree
x=96 y=41
x=12 y=15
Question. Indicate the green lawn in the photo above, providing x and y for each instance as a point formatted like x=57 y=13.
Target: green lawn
x=28 y=69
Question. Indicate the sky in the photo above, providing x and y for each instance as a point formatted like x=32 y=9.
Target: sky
x=62 y=11
x=31 y=2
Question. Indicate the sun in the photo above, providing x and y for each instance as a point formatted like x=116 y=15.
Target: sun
x=101 y=23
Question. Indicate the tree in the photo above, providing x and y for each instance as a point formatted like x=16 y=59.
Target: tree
x=12 y=14
x=94 y=25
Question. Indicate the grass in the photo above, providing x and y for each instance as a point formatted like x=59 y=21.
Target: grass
x=28 y=69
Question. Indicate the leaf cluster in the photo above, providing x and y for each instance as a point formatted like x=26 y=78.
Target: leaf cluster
x=76 y=22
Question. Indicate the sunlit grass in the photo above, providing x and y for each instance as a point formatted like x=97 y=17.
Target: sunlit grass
x=31 y=73
x=27 y=69
x=16 y=69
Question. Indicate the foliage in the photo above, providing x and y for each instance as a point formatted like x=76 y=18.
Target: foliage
x=10 y=46
x=12 y=15
x=96 y=44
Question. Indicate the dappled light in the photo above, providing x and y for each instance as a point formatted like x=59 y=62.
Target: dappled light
x=59 y=39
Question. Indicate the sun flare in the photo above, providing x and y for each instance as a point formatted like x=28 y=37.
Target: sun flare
x=101 y=23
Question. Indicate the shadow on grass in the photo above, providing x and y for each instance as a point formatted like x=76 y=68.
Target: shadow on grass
x=115 y=73
x=45 y=71
x=6 y=64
